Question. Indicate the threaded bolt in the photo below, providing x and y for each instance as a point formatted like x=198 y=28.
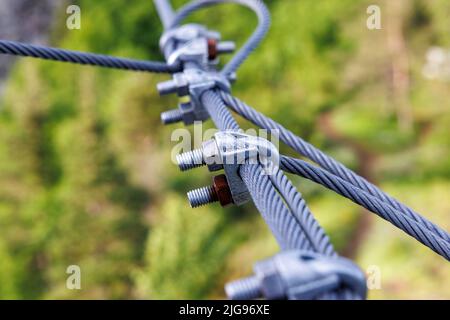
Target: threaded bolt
x=244 y=289
x=172 y=116
x=226 y=47
x=167 y=87
x=202 y=196
x=191 y=159
x=215 y=48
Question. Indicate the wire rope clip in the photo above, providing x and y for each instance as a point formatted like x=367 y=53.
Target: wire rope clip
x=201 y=51
x=195 y=44
x=192 y=83
x=186 y=33
x=228 y=150
x=298 y=275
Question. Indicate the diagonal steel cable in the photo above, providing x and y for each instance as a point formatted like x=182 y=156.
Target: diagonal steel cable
x=284 y=212
x=325 y=161
x=84 y=58
x=368 y=201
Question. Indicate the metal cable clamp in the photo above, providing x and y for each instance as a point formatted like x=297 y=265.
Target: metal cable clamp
x=192 y=83
x=186 y=33
x=228 y=150
x=299 y=275
x=196 y=49
x=195 y=44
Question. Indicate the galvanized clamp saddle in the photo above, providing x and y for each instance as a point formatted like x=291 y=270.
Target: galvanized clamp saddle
x=197 y=49
x=228 y=150
x=299 y=275
x=191 y=84
x=194 y=43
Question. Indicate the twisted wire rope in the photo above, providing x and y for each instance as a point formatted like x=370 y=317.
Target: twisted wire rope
x=84 y=58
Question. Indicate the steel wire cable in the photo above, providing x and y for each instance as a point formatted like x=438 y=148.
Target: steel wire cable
x=328 y=163
x=278 y=201
x=165 y=12
x=282 y=222
x=318 y=242
x=219 y=112
x=84 y=58
x=370 y=202
x=278 y=217
x=258 y=35
x=311 y=228
x=224 y=121
x=269 y=203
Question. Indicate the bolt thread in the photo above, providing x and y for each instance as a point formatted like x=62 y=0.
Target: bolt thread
x=226 y=47
x=171 y=116
x=190 y=160
x=202 y=196
x=243 y=289
x=166 y=87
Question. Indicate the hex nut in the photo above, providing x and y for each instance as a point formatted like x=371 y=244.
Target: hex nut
x=222 y=190
x=212 y=49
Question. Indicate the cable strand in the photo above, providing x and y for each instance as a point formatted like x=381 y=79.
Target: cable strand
x=370 y=202
x=83 y=58
x=253 y=42
x=309 y=151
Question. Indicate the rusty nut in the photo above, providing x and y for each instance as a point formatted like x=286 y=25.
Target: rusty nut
x=222 y=190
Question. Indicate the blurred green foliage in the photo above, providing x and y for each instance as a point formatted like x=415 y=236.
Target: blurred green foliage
x=84 y=162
